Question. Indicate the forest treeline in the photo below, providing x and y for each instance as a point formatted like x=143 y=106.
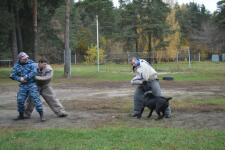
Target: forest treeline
x=135 y=26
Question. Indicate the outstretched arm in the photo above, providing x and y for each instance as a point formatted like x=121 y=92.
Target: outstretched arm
x=47 y=76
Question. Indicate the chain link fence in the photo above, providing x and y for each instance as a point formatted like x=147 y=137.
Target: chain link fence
x=182 y=55
x=120 y=58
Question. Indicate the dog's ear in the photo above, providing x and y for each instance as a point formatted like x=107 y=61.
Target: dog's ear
x=168 y=98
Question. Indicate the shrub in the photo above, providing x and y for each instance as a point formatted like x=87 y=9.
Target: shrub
x=91 y=57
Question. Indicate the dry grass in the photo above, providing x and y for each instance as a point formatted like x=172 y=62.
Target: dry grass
x=112 y=105
x=190 y=105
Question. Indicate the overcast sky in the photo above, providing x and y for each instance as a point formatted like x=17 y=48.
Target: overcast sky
x=209 y=4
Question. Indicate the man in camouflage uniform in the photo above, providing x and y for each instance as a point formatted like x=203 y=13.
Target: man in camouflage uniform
x=24 y=72
x=146 y=79
x=43 y=78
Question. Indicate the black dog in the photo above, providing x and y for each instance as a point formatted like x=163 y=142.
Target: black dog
x=157 y=103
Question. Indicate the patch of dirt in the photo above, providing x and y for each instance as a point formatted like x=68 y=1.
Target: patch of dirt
x=97 y=104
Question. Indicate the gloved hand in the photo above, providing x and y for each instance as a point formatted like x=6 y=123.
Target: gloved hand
x=144 y=82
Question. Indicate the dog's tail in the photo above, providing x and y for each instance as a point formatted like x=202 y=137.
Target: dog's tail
x=168 y=98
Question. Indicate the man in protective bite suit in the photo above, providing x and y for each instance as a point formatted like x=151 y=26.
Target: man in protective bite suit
x=146 y=79
x=43 y=78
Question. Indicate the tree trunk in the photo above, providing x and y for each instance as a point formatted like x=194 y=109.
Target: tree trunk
x=67 y=54
x=136 y=40
x=18 y=31
x=149 y=42
x=150 y=48
x=35 y=29
x=14 y=48
x=136 y=44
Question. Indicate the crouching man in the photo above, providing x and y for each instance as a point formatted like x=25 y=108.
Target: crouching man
x=43 y=78
x=24 y=72
x=146 y=79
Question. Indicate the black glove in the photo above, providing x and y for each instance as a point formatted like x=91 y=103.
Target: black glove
x=144 y=82
x=134 y=68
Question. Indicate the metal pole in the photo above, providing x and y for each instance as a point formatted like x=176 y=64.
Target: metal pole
x=128 y=57
x=64 y=57
x=189 y=59
x=97 y=43
x=75 y=59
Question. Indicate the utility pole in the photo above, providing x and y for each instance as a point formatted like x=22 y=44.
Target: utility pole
x=67 y=56
x=34 y=2
x=97 y=42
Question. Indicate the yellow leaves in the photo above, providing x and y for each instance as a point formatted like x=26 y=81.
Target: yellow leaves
x=174 y=38
x=91 y=57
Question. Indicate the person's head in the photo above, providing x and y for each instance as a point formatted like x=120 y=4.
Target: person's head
x=42 y=62
x=22 y=57
x=135 y=62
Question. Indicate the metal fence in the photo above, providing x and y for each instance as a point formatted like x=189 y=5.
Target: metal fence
x=6 y=63
x=125 y=57
x=155 y=58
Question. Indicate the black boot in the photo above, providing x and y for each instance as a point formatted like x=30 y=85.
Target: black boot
x=20 y=117
x=27 y=115
x=42 y=119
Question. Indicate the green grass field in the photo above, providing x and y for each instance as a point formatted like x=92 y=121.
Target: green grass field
x=118 y=138
x=199 y=71
x=112 y=139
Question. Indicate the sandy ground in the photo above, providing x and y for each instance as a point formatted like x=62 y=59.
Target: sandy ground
x=103 y=104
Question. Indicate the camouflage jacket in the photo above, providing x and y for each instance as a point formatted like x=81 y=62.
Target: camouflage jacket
x=28 y=71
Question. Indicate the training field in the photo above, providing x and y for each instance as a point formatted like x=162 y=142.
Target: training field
x=100 y=103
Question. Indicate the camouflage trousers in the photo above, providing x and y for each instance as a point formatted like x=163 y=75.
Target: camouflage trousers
x=31 y=90
x=47 y=93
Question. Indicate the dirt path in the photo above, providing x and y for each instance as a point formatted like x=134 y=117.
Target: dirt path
x=109 y=103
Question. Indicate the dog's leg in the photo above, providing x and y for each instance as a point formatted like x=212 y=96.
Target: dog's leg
x=159 y=115
x=163 y=114
x=140 y=113
x=150 y=113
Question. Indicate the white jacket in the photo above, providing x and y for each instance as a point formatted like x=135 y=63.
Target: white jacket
x=144 y=72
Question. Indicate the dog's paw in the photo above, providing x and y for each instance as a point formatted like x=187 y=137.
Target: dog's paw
x=134 y=115
x=167 y=116
x=159 y=118
x=148 y=116
x=138 y=117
